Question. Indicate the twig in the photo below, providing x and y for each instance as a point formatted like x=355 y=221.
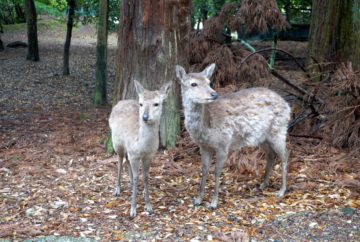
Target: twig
x=273 y=52
x=299 y=119
x=306 y=136
x=247 y=45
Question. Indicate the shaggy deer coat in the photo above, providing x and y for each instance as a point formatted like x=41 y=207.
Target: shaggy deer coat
x=135 y=136
x=250 y=117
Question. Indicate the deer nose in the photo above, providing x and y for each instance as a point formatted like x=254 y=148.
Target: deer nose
x=214 y=95
x=146 y=117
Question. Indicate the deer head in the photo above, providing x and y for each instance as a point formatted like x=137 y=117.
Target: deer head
x=150 y=102
x=196 y=86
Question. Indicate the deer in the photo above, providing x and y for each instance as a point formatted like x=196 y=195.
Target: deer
x=135 y=136
x=253 y=117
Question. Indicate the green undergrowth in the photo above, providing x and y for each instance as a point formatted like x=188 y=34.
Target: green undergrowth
x=43 y=24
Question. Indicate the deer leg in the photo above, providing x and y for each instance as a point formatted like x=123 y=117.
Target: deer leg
x=205 y=160
x=146 y=167
x=135 y=164
x=119 y=174
x=130 y=172
x=220 y=160
x=270 y=160
x=280 y=149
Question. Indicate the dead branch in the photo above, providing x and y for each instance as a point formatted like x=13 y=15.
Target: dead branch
x=296 y=87
x=306 y=136
x=300 y=118
x=282 y=78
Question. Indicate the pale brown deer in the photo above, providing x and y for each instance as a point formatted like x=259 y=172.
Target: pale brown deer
x=135 y=136
x=249 y=117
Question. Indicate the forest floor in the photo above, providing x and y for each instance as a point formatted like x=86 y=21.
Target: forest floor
x=56 y=178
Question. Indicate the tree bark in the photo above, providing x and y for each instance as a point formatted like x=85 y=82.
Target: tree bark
x=335 y=32
x=101 y=54
x=1 y=44
x=33 y=49
x=153 y=38
x=70 y=23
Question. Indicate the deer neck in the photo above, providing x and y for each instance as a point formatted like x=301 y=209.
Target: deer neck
x=194 y=117
x=148 y=135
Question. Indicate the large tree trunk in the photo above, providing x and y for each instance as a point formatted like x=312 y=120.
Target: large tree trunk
x=153 y=38
x=335 y=32
x=70 y=23
x=101 y=54
x=33 y=49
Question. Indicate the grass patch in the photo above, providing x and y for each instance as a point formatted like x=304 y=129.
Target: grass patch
x=48 y=24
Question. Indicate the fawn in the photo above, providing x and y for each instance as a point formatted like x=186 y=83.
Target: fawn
x=135 y=136
x=249 y=117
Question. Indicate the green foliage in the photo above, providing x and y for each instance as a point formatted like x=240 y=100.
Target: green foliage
x=296 y=11
x=56 y=9
x=8 y=14
x=86 y=11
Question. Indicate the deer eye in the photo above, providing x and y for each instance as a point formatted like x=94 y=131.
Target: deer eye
x=140 y=104
x=194 y=84
x=156 y=104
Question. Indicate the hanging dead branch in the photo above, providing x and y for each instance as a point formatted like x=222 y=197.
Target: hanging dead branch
x=204 y=51
x=257 y=16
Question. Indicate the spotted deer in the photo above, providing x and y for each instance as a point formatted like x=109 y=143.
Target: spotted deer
x=135 y=136
x=249 y=117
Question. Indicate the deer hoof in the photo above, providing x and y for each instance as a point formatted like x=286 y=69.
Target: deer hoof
x=263 y=185
x=281 y=193
x=213 y=204
x=197 y=201
x=117 y=192
x=133 y=212
x=149 y=209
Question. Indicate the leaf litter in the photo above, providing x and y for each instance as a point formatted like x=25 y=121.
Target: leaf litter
x=56 y=179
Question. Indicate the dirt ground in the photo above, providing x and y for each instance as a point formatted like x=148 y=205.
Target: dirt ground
x=56 y=179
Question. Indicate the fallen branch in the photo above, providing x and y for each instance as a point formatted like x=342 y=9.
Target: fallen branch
x=306 y=136
x=297 y=88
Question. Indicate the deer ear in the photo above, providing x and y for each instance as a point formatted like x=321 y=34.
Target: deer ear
x=139 y=88
x=164 y=90
x=180 y=73
x=209 y=70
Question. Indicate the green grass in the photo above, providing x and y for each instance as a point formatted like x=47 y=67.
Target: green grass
x=46 y=24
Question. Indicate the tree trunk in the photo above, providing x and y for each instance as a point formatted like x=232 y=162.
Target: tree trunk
x=20 y=15
x=335 y=32
x=1 y=44
x=33 y=49
x=153 y=38
x=101 y=54
x=70 y=23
